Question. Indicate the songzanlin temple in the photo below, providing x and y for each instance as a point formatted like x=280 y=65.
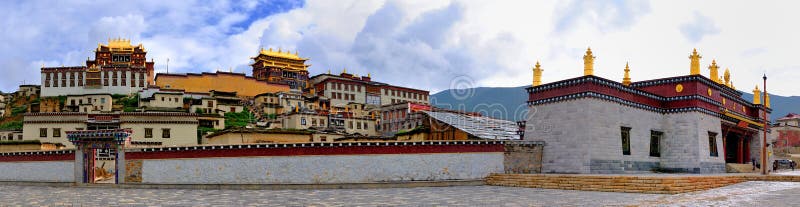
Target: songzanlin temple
x=690 y=123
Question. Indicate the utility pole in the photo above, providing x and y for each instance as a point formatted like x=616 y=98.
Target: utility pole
x=764 y=140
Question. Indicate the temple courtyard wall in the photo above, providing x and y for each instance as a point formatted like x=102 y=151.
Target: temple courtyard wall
x=301 y=163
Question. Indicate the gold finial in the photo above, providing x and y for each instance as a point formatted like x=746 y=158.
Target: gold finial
x=537 y=74
x=344 y=70
x=369 y=75
x=627 y=79
x=295 y=52
x=694 y=68
x=714 y=71
x=270 y=49
x=727 y=77
x=756 y=95
x=766 y=100
x=279 y=50
x=329 y=71
x=588 y=62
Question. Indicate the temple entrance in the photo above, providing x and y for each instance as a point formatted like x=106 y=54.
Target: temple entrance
x=99 y=155
x=737 y=149
x=737 y=145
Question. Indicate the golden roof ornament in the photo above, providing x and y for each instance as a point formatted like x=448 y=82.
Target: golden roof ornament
x=714 y=71
x=756 y=95
x=626 y=80
x=537 y=74
x=727 y=77
x=588 y=62
x=694 y=68
x=766 y=100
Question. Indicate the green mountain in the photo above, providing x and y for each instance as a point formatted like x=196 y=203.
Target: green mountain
x=509 y=103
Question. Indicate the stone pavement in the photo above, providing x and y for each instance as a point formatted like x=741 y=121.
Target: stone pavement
x=743 y=194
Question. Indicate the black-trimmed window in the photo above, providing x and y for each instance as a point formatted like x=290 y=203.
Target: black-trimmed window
x=43 y=132
x=626 y=140
x=655 y=143
x=165 y=133
x=56 y=132
x=712 y=144
x=148 y=132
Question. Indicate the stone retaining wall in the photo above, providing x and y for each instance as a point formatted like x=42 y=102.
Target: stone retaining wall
x=661 y=184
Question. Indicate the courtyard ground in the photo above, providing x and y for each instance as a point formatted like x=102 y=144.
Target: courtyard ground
x=743 y=194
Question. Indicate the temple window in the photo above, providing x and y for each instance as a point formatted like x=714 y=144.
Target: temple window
x=626 y=140
x=43 y=132
x=124 y=80
x=655 y=142
x=165 y=133
x=80 y=78
x=72 y=79
x=56 y=132
x=47 y=80
x=148 y=132
x=712 y=144
x=114 y=78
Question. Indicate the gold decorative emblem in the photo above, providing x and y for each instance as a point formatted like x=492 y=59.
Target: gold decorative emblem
x=723 y=101
x=709 y=92
x=679 y=88
x=744 y=109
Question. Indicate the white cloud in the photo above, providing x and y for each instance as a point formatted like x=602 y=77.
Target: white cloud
x=422 y=44
x=699 y=27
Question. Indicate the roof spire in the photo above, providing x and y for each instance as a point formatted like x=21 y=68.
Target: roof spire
x=694 y=68
x=756 y=95
x=537 y=74
x=588 y=62
x=714 y=71
x=627 y=79
x=727 y=77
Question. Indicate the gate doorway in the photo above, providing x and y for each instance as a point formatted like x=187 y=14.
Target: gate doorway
x=99 y=155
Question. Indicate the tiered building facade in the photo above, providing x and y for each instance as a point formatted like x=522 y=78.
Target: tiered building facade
x=118 y=68
x=281 y=68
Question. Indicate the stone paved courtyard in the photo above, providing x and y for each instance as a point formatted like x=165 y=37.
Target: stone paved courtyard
x=743 y=194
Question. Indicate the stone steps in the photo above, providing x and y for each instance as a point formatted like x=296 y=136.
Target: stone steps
x=660 y=184
x=740 y=168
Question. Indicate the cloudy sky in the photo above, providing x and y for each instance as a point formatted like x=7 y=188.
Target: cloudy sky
x=422 y=44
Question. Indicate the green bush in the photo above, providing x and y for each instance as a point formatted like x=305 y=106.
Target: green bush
x=13 y=125
x=19 y=110
x=240 y=119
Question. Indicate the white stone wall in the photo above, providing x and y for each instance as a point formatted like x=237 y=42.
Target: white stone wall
x=180 y=134
x=584 y=136
x=323 y=169
x=41 y=171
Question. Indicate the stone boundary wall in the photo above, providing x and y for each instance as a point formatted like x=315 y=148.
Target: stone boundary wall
x=316 y=163
x=661 y=184
x=37 y=166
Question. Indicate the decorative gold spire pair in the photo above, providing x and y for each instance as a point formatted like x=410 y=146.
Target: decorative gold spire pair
x=694 y=69
x=588 y=69
x=757 y=97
